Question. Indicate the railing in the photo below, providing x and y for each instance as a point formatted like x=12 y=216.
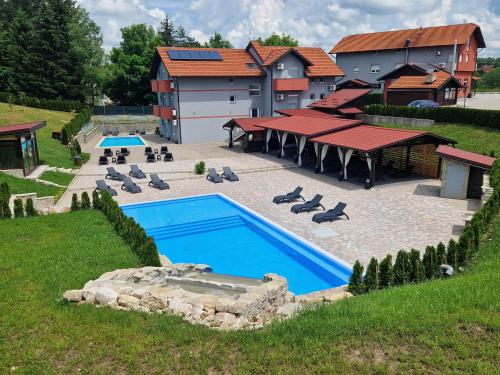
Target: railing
x=114 y=110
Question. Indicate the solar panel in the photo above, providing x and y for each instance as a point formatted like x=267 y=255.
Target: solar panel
x=192 y=55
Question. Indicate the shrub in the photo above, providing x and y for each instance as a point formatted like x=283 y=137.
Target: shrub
x=463 y=247
x=199 y=168
x=386 y=272
x=71 y=128
x=372 y=278
x=30 y=208
x=441 y=253
x=452 y=256
x=75 y=205
x=356 y=285
x=402 y=268
x=85 y=201
x=4 y=191
x=417 y=272
x=96 y=201
x=18 y=208
x=52 y=104
x=430 y=262
x=6 y=213
x=374 y=99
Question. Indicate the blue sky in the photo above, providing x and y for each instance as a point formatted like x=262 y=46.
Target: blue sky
x=313 y=22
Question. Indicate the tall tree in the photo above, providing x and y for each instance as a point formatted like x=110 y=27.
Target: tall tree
x=279 y=40
x=167 y=32
x=217 y=41
x=184 y=40
x=128 y=72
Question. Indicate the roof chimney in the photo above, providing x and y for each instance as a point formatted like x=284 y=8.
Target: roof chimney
x=430 y=78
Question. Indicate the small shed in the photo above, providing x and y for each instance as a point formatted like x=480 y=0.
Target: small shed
x=462 y=172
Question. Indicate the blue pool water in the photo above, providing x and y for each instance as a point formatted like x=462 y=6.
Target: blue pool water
x=121 y=142
x=214 y=230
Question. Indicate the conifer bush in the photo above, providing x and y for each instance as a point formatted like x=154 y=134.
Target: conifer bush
x=30 y=208
x=430 y=262
x=441 y=253
x=75 y=205
x=417 y=272
x=96 y=201
x=372 y=276
x=85 y=201
x=199 y=168
x=402 y=268
x=356 y=285
x=18 y=208
x=386 y=272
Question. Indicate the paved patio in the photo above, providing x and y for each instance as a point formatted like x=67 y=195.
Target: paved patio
x=398 y=215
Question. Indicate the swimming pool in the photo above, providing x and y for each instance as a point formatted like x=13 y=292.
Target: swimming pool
x=217 y=231
x=121 y=142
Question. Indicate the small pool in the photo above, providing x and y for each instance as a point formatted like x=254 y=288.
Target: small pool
x=121 y=142
x=217 y=231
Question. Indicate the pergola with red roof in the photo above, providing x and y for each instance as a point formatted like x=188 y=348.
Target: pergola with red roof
x=370 y=140
x=306 y=112
x=18 y=146
x=351 y=101
x=247 y=128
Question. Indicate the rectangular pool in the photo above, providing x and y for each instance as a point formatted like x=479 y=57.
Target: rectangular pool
x=217 y=231
x=121 y=142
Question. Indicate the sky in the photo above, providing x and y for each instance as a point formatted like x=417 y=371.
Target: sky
x=320 y=23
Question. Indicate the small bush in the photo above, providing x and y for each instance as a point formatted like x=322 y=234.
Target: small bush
x=452 y=255
x=76 y=149
x=18 y=208
x=386 y=272
x=51 y=104
x=430 y=262
x=372 y=279
x=356 y=285
x=96 y=201
x=417 y=272
x=30 y=208
x=75 y=205
x=199 y=168
x=85 y=201
x=441 y=253
x=6 y=213
x=402 y=268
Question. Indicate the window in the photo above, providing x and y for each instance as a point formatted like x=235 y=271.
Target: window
x=312 y=96
x=375 y=68
x=232 y=99
x=251 y=66
x=292 y=99
x=322 y=96
x=437 y=53
x=231 y=80
x=312 y=80
x=254 y=112
x=467 y=58
x=465 y=82
x=321 y=79
x=450 y=93
x=254 y=89
x=460 y=58
x=356 y=69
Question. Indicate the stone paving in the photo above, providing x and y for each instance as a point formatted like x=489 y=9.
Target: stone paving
x=396 y=215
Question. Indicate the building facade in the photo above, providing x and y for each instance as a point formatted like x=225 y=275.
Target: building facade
x=453 y=48
x=198 y=93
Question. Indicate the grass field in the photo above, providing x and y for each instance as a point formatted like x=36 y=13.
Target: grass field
x=51 y=151
x=444 y=326
x=22 y=185
x=59 y=178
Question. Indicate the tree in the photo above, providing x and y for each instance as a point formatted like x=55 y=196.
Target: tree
x=216 y=41
x=430 y=262
x=356 y=285
x=85 y=201
x=75 y=205
x=417 y=273
x=183 y=40
x=441 y=253
x=452 y=256
x=372 y=281
x=386 y=272
x=128 y=79
x=166 y=31
x=279 y=40
x=402 y=268
x=30 y=208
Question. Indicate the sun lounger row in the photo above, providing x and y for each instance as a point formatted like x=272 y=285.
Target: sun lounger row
x=227 y=174
x=116 y=131
x=128 y=184
x=308 y=206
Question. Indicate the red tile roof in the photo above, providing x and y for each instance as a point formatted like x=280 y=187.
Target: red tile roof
x=466 y=157
x=421 y=37
x=339 y=98
x=368 y=138
x=250 y=124
x=422 y=82
x=234 y=64
x=350 y=111
x=305 y=112
x=19 y=128
x=309 y=126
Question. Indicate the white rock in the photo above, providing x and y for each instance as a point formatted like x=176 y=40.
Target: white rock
x=177 y=306
x=89 y=294
x=225 y=320
x=106 y=296
x=128 y=301
x=73 y=295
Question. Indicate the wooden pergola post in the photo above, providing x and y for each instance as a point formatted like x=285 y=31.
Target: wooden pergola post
x=231 y=142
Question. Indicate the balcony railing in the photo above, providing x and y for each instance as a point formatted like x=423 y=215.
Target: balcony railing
x=156 y=110
x=290 y=84
x=163 y=85
x=167 y=113
x=154 y=85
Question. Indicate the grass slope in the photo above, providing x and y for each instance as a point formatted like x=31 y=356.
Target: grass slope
x=445 y=326
x=59 y=178
x=22 y=185
x=51 y=151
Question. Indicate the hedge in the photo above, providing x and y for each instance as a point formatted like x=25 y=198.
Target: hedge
x=410 y=268
x=51 y=104
x=71 y=128
x=482 y=117
x=374 y=99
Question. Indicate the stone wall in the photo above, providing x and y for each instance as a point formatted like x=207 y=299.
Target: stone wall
x=390 y=120
x=42 y=204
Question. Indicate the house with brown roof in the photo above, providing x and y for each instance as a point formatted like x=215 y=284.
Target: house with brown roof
x=200 y=89
x=452 y=48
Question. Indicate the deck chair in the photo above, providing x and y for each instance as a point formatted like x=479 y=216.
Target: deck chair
x=309 y=205
x=142 y=131
x=157 y=182
x=103 y=160
x=102 y=186
x=150 y=158
x=213 y=176
x=136 y=172
x=168 y=156
x=108 y=152
x=148 y=150
x=115 y=131
x=131 y=131
x=289 y=197
x=228 y=174
x=121 y=159
x=105 y=132
x=163 y=150
x=124 y=151
x=332 y=214
x=114 y=175
x=130 y=186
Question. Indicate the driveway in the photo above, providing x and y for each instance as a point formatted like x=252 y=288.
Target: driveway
x=481 y=101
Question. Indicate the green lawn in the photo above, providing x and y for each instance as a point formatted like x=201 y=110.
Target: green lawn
x=22 y=185
x=51 y=151
x=444 y=326
x=59 y=178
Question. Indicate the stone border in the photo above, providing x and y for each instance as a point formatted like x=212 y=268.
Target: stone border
x=390 y=120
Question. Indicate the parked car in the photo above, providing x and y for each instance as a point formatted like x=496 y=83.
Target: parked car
x=423 y=104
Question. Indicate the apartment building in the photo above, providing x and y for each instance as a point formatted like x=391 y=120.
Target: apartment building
x=200 y=89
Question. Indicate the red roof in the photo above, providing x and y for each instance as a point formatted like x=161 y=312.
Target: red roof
x=433 y=80
x=368 y=138
x=249 y=124
x=309 y=126
x=466 y=157
x=421 y=37
x=339 y=98
x=306 y=112
x=350 y=111
x=234 y=64
x=19 y=128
